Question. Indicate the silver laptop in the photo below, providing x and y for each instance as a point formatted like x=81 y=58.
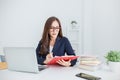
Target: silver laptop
x=22 y=59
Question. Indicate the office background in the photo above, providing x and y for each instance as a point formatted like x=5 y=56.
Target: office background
x=22 y=21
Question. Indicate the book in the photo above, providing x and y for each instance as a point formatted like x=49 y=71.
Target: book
x=90 y=62
x=3 y=65
x=2 y=58
x=88 y=58
x=89 y=68
x=66 y=58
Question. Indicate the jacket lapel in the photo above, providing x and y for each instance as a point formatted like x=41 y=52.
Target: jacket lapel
x=56 y=45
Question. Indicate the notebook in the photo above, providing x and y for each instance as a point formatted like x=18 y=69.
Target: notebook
x=66 y=58
x=22 y=59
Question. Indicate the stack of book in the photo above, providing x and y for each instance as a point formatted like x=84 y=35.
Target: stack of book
x=89 y=63
x=3 y=64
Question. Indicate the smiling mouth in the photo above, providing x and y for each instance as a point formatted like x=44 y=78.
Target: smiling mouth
x=53 y=34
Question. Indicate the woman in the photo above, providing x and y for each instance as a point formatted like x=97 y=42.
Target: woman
x=54 y=44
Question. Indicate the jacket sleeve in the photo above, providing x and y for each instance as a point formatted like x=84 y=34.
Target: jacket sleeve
x=70 y=51
x=40 y=58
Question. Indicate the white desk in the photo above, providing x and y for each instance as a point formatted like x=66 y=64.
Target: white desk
x=56 y=73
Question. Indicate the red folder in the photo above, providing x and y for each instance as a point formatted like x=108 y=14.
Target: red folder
x=66 y=58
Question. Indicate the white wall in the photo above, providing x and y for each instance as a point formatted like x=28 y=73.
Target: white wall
x=22 y=21
x=87 y=10
x=101 y=26
x=106 y=27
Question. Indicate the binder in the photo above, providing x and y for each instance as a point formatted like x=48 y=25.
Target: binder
x=66 y=58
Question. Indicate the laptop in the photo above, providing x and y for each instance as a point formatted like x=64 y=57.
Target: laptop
x=22 y=59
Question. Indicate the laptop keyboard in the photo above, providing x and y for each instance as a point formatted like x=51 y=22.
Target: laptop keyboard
x=41 y=67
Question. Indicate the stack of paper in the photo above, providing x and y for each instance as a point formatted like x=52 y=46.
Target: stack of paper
x=89 y=63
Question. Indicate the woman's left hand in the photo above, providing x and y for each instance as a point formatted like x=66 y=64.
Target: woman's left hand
x=64 y=63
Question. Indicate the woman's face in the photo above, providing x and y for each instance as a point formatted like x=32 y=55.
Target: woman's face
x=54 y=29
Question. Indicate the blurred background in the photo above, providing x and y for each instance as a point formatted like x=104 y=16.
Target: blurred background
x=97 y=30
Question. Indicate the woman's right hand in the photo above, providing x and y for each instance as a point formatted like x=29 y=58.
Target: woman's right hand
x=48 y=58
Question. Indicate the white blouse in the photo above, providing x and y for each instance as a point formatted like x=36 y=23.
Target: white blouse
x=51 y=48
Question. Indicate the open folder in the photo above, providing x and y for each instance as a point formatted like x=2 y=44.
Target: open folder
x=66 y=58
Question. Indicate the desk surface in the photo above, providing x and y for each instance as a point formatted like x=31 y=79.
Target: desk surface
x=57 y=73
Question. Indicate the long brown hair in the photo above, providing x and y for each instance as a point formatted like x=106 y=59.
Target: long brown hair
x=46 y=37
